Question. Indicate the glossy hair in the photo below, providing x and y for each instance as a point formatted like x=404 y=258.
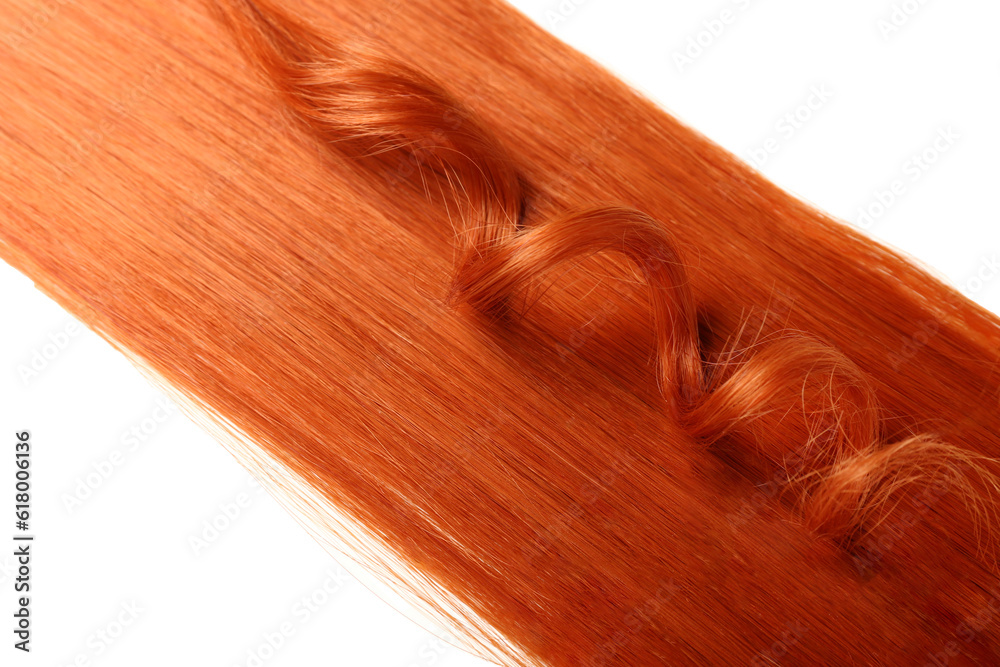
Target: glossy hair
x=569 y=376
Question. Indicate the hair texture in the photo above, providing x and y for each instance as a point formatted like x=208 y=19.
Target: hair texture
x=564 y=373
x=373 y=103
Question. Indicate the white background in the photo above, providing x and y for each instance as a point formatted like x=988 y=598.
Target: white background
x=889 y=92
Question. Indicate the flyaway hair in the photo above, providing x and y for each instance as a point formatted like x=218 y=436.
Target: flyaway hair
x=568 y=376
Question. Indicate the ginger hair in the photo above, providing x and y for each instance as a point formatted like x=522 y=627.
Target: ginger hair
x=636 y=408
